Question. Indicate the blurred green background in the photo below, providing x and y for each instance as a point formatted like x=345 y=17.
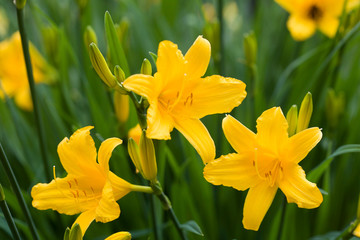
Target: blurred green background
x=282 y=73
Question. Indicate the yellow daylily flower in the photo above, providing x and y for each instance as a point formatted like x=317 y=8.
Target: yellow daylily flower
x=307 y=15
x=119 y=236
x=89 y=188
x=265 y=162
x=179 y=97
x=13 y=76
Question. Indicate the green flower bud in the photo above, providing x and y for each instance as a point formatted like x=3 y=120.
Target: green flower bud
x=67 y=234
x=292 y=119
x=20 y=4
x=305 y=113
x=147 y=158
x=134 y=153
x=146 y=67
x=334 y=106
x=75 y=232
x=89 y=36
x=250 y=48
x=101 y=67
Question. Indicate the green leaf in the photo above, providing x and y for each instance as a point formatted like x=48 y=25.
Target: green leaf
x=317 y=172
x=117 y=53
x=153 y=56
x=192 y=226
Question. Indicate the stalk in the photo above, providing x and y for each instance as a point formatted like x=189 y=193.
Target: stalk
x=7 y=214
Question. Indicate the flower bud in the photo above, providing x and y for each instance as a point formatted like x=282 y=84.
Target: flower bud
x=250 y=48
x=101 y=67
x=147 y=157
x=75 y=232
x=305 y=113
x=89 y=36
x=292 y=119
x=134 y=153
x=146 y=67
x=121 y=105
x=20 y=4
x=135 y=133
x=2 y=194
x=119 y=236
x=334 y=106
x=67 y=234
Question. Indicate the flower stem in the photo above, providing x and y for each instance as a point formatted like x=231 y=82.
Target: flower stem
x=347 y=233
x=17 y=191
x=144 y=189
x=38 y=120
x=7 y=214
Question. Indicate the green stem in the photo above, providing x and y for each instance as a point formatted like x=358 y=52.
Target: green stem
x=7 y=214
x=157 y=230
x=17 y=191
x=144 y=189
x=347 y=233
x=38 y=120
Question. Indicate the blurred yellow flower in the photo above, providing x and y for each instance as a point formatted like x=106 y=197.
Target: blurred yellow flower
x=357 y=231
x=13 y=76
x=179 y=97
x=307 y=15
x=119 y=236
x=265 y=162
x=90 y=188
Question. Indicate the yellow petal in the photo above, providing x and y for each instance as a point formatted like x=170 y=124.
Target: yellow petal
x=119 y=236
x=84 y=220
x=107 y=209
x=198 y=136
x=301 y=144
x=232 y=170
x=105 y=151
x=23 y=99
x=160 y=124
x=301 y=28
x=69 y=195
x=328 y=25
x=257 y=203
x=298 y=189
x=272 y=129
x=214 y=94
x=198 y=58
x=290 y=6
x=78 y=155
x=170 y=65
x=239 y=136
x=357 y=231
x=141 y=84
x=119 y=186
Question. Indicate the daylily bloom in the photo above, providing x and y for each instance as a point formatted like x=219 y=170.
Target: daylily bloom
x=13 y=76
x=307 y=15
x=265 y=162
x=119 y=236
x=90 y=188
x=179 y=97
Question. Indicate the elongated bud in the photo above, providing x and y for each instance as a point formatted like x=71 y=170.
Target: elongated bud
x=147 y=157
x=75 y=232
x=250 y=48
x=67 y=234
x=119 y=73
x=82 y=3
x=119 y=236
x=101 y=67
x=334 y=106
x=2 y=194
x=146 y=67
x=134 y=153
x=305 y=113
x=292 y=119
x=20 y=4
x=89 y=36
x=121 y=105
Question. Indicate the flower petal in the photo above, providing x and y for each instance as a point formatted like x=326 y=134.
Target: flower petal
x=84 y=220
x=160 y=124
x=214 y=94
x=328 y=25
x=23 y=99
x=301 y=144
x=298 y=189
x=141 y=84
x=119 y=186
x=198 y=136
x=78 y=155
x=107 y=209
x=289 y=6
x=272 y=129
x=198 y=58
x=357 y=231
x=300 y=28
x=232 y=170
x=119 y=236
x=239 y=136
x=105 y=151
x=257 y=203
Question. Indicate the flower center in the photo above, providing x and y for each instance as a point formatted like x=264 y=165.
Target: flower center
x=315 y=13
x=268 y=166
